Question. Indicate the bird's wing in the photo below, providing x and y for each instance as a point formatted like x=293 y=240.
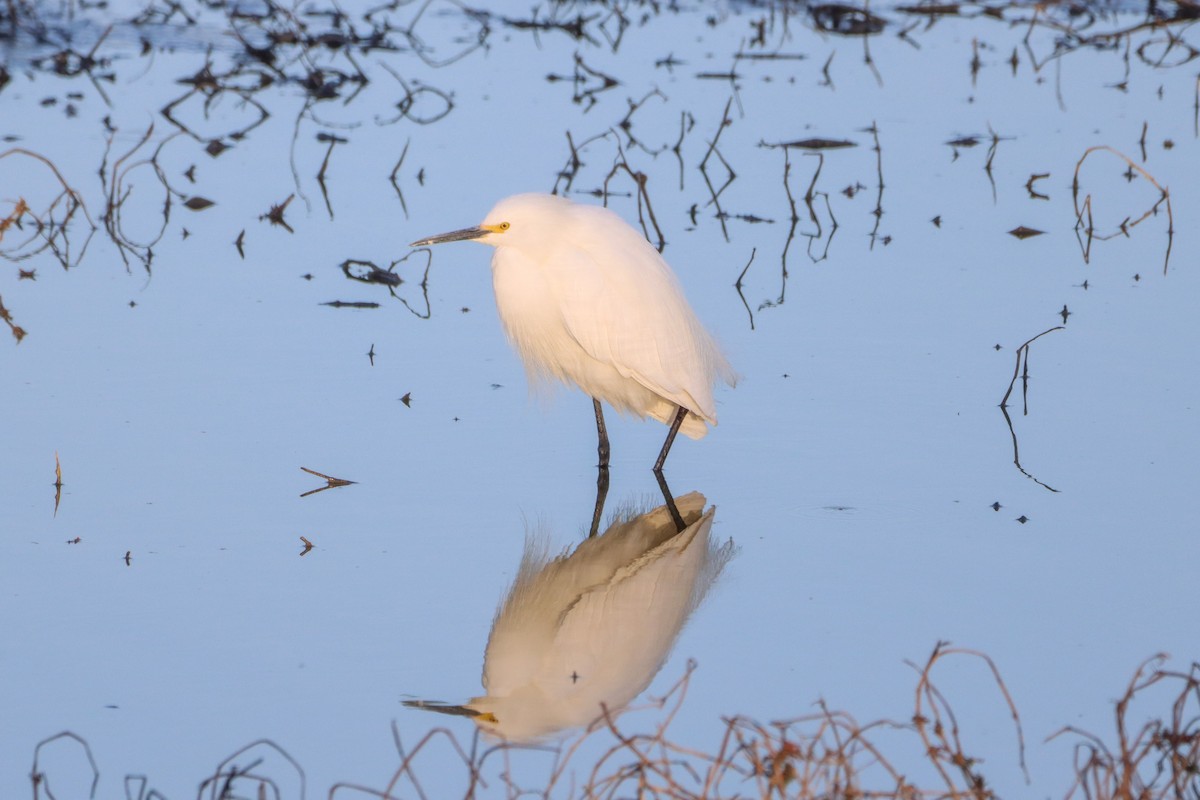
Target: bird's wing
x=617 y=635
x=625 y=308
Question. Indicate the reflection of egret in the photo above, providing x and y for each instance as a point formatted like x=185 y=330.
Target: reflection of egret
x=594 y=625
x=586 y=300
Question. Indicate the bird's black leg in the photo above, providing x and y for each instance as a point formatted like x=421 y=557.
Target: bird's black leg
x=601 y=496
x=666 y=448
x=676 y=517
x=603 y=448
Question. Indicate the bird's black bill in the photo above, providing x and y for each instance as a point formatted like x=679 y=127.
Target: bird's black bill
x=442 y=708
x=452 y=236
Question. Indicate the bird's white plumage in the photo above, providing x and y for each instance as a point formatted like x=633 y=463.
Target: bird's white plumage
x=585 y=299
x=594 y=625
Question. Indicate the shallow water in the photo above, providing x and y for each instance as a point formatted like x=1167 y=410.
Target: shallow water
x=165 y=608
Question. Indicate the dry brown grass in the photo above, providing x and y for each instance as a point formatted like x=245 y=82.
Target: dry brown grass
x=1159 y=759
x=829 y=754
x=826 y=754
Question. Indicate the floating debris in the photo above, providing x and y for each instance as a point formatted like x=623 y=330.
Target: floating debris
x=275 y=215
x=1035 y=195
x=845 y=20
x=932 y=10
x=330 y=482
x=815 y=144
x=351 y=304
x=368 y=272
x=964 y=141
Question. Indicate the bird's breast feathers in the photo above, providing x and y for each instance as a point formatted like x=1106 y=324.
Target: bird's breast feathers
x=613 y=322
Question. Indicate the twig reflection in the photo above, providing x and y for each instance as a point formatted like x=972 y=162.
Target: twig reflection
x=39 y=777
x=738 y=283
x=715 y=193
x=395 y=172
x=368 y=272
x=58 y=483
x=50 y=228
x=330 y=482
x=119 y=188
x=226 y=779
x=1021 y=370
x=1085 y=231
x=877 y=212
x=645 y=209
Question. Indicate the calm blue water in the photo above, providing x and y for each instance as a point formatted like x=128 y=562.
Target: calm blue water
x=856 y=465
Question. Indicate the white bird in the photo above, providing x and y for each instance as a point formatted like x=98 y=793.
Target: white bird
x=586 y=300
x=592 y=626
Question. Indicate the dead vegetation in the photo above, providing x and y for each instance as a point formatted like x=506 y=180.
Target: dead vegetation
x=1158 y=759
x=824 y=754
x=1087 y=230
x=33 y=227
x=326 y=56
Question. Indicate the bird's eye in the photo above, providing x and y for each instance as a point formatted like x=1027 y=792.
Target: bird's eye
x=503 y=226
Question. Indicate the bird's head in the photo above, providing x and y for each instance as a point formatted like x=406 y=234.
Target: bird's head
x=526 y=715
x=517 y=221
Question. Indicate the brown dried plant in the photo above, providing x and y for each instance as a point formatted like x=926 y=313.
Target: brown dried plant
x=47 y=227
x=823 y=755
x=1160 y=760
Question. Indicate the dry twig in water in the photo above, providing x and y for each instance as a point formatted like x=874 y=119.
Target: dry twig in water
x=330 y=482
x=1083 y=209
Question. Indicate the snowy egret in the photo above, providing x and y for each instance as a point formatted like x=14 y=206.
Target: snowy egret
x=592 y=626
x=586 y=300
